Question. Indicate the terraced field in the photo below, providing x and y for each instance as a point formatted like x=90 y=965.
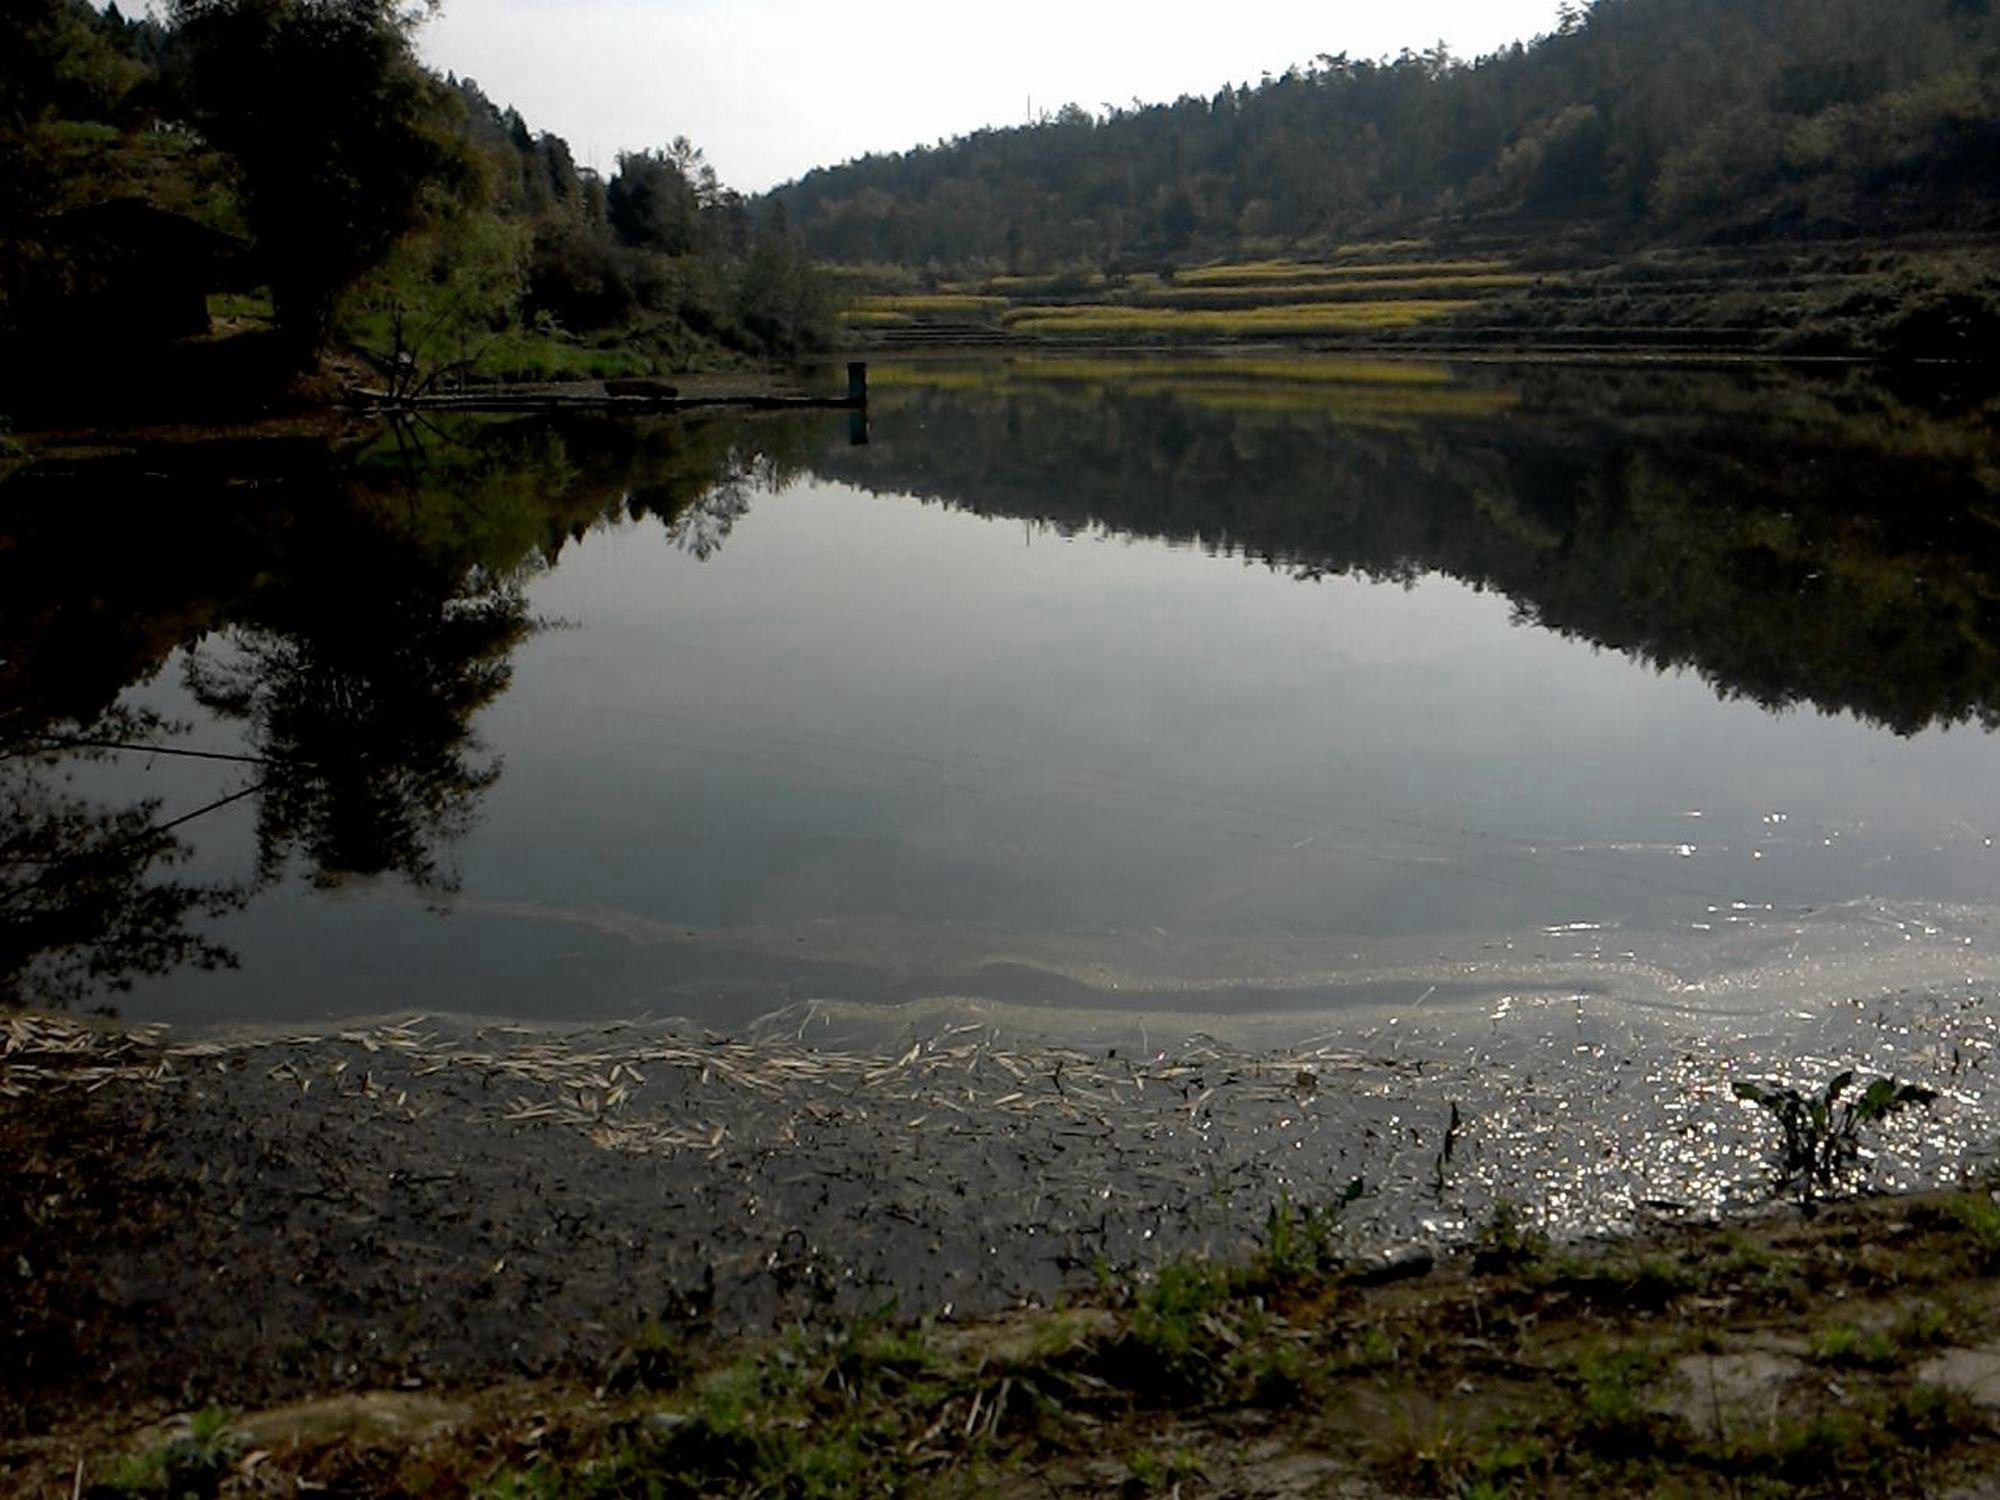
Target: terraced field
x=1253 y=300
x=1937 y=298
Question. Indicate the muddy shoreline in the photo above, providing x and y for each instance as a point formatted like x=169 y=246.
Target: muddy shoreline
x=252 y=1218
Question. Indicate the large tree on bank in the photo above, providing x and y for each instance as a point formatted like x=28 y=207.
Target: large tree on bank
x=338 y=134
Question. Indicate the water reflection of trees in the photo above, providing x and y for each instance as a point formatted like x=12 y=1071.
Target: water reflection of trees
x=86 y=907
x=352 y=611
x=360 y=690
x=1792 y=542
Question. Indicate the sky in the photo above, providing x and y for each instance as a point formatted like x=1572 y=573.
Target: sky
x=772 y=88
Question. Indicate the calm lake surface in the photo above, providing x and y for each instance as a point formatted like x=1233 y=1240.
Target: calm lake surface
x=1273 y=700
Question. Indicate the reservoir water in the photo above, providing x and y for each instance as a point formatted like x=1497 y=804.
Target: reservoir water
x=1269 y=699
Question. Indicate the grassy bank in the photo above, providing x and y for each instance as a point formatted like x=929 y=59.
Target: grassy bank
x=1843 y=1353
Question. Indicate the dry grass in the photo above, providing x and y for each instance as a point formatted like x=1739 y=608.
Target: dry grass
x=1360 y=249
x=871 y=317
x=1336 y=317
x=1033 y=284
x=1276 y=293
x=38 y=1052
x=606 y=1082
x=1266 y=272
x=934 y=304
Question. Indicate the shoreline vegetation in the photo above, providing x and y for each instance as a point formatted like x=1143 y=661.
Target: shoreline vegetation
x=1846 y=1347
x=231 y=208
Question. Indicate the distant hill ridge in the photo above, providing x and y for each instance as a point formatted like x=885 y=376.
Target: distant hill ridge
x=1636 y=121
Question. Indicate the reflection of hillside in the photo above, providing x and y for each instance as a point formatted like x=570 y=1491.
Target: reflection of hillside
x=1791 y=543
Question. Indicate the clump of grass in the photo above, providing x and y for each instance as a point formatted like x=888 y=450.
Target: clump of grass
x=1298 y=1245
x=1615 y=1407
x=1431 y=1455
x=1927 y=1326
x=1503 y=1466
x=1844 y=1345
x=1892 y=1347
x=1506 y=1241
x=1172 y=1327
x=1152 y=1472
x=1186 y=1322
x=1979 y=1217
x=1880 y=1441
x=1370 y=1349
x=192 y=1466
x=1625 y=1279
x=1278 y=1376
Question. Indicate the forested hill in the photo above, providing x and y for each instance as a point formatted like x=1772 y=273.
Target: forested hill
x=1635 y=119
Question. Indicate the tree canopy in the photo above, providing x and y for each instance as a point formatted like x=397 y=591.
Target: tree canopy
x=336 y=130
x=376 y=197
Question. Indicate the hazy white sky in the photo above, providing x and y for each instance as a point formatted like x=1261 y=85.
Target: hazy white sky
x=772 y=88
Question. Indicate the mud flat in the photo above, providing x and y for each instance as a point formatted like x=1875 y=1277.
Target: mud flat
x=430 y=1208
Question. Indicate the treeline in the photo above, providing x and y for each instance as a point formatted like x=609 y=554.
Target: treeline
x=299 y=146
x=1727 y=118
x=661 y=248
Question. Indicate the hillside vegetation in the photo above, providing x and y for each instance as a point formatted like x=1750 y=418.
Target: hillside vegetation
x=296 y=158
x=1635 y=121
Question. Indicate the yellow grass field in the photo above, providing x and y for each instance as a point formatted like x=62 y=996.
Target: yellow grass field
x=1330 y=317
x=1266 y=272
x=933 y=304
x=1352 y=290
x=1250 y=293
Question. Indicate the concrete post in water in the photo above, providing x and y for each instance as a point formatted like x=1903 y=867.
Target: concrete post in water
x=857 y=382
